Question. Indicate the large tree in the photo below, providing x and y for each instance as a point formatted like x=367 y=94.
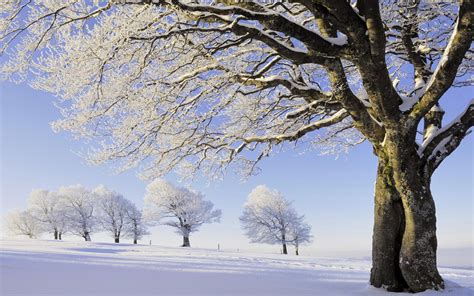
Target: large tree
x=183 y=85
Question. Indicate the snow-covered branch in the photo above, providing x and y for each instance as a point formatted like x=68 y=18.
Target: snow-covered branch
x=442 y=142
x=270 y=19
x=446 y=70
x=335 y=118
x=174 y=85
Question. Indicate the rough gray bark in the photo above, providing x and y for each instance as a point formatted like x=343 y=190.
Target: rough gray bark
x=135 y=241
x=55 y=234
x=60 y=234
x=117 y=240
x=389 y=225
x=404 y=242
x=87 y=237
x=186 y=242
x=419 y=244
x=285 y=250
x=418 y=260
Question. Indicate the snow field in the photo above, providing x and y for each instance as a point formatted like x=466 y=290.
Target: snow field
x=42 y=267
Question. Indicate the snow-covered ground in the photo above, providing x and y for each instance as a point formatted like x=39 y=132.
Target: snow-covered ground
x=40 y=267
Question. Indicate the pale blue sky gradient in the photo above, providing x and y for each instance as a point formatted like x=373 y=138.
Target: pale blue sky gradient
x=336 y=195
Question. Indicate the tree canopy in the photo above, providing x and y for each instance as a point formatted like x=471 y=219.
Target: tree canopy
x=178 y=207
x=188 y=86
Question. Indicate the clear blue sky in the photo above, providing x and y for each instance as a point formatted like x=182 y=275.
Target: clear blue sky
x=336 y=195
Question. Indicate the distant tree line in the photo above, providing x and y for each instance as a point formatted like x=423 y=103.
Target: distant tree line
x=80 y=211
x=267 y=217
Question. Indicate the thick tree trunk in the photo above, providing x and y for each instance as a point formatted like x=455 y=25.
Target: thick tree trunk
x=285 y=251
x=419 y=244
x=60 y=235
x=297 y=251
x=402 y=177
x=389 y=224
x=186 y=242
x=135 y=241
x=87 y=237
x=117 y=240
x=55 y=234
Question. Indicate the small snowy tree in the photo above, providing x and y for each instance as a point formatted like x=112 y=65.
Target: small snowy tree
x=299 y=232
x=48 y=209
x=268 y=217
x=178 y=207
x=79 y=204
x=112 y=211
x=22 y=223
x=135 y=229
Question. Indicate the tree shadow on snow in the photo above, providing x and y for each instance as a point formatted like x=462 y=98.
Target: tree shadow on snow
x=97 y=250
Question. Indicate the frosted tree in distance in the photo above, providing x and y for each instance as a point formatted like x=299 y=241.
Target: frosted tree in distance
x=299 y=233
x=80 y=204
x=268 y=218
x=178 y=207
x=49 y=209
x=22 y=223
x=185 y=85
x=112 y=211
x=136 y=228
